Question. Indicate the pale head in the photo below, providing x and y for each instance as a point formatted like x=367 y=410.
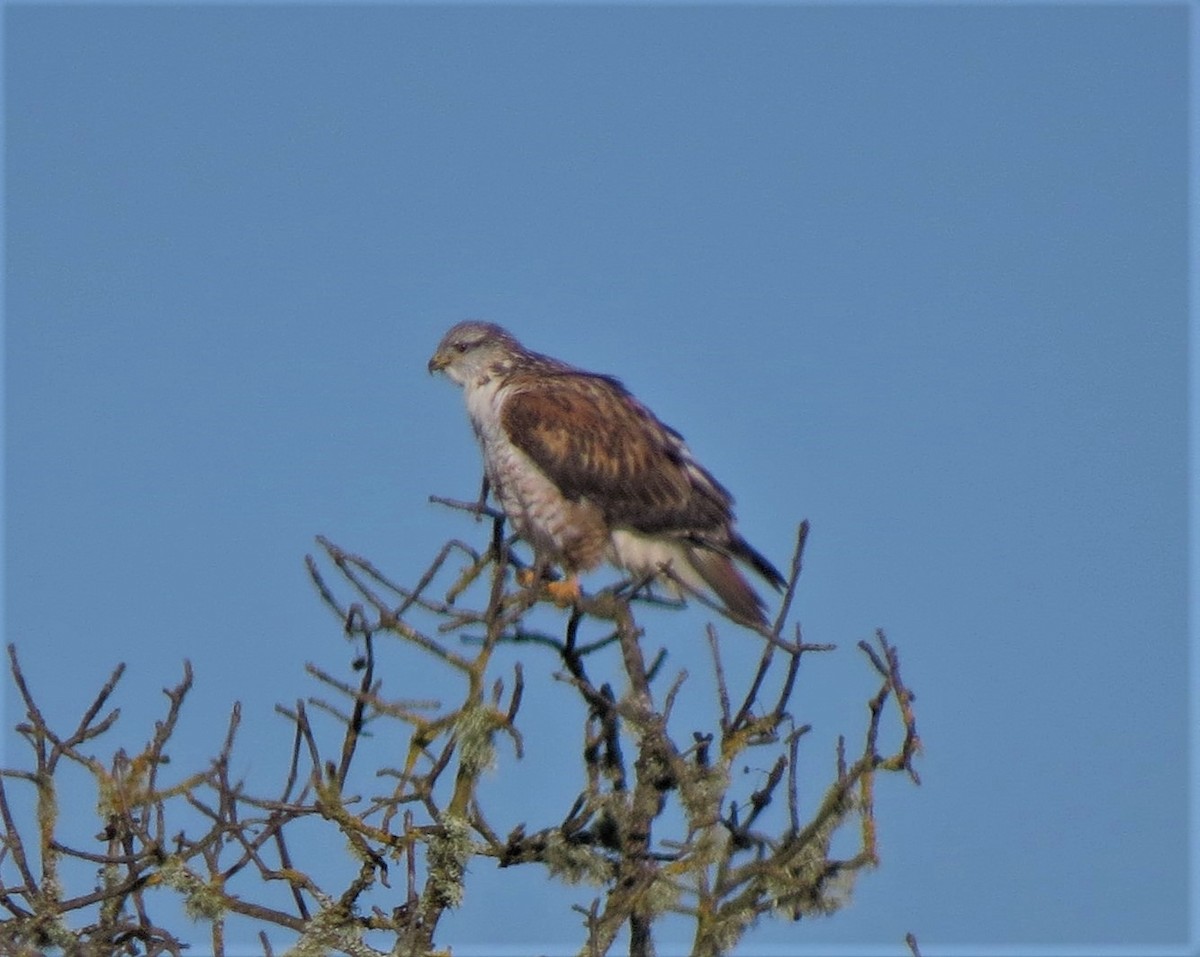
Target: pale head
x=471 y=349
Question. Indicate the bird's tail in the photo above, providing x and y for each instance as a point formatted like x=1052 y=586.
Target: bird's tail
x=721 y=575
x=744 y=551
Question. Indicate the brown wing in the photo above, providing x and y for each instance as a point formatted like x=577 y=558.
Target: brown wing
x=595 y=440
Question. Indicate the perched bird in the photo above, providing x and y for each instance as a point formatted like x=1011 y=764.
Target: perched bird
x=586 y=473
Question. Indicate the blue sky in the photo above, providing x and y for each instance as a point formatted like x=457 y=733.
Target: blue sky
x=916 y=273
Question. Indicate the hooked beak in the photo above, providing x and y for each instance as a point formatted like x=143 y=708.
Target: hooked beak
x=439 y=361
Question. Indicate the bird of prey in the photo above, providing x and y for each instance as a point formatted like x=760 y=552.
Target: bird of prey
x=586 y=473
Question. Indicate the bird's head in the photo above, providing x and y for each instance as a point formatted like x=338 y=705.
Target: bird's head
x=471 y=349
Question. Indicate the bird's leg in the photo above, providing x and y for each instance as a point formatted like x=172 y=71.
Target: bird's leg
x=529 y=577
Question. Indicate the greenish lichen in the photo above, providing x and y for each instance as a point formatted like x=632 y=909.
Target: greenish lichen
x=201 y=900
x=333 y=929
x=576 y=863
x=702 y=792
x=660 y=896
x=447 y=854
x=476 y=729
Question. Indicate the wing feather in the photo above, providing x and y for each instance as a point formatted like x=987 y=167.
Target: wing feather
x=594 y=440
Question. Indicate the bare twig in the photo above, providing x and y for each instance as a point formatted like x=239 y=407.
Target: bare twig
x=739 y=853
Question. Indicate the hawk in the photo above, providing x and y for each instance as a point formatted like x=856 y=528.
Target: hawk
x=586 y=473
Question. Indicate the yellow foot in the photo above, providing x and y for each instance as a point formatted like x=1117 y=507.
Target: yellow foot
x=526 y=577
x=565 y=592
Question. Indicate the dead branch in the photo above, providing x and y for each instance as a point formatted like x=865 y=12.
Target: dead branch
x=658 y=824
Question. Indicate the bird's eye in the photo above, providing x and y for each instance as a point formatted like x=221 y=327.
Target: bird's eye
x=461 y=346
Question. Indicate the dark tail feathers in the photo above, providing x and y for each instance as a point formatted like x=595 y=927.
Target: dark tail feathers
x=717 y=569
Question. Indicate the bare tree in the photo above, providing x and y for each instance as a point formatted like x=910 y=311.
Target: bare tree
x=658 y=826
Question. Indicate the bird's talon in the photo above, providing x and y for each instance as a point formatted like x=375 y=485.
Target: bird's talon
x=564 y=593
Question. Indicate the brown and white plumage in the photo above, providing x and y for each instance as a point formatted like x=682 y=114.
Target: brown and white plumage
x=586 y=473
